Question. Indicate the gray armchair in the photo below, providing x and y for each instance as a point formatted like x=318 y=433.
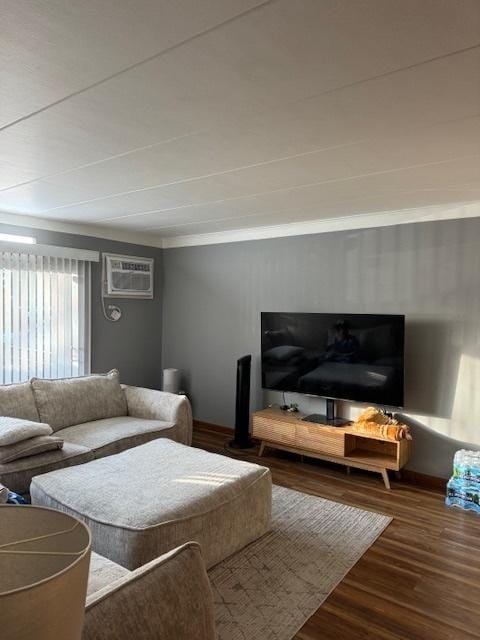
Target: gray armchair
x=169 y=598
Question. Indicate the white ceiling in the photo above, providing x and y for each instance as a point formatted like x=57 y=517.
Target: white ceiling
x=184 y=117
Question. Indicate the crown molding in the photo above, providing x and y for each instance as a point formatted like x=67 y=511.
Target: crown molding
x=132 y=237
x=328 y=225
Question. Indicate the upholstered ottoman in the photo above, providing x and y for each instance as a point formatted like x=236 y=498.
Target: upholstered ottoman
x=150 y=499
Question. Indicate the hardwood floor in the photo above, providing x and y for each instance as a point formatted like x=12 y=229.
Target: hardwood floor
x=419 y=581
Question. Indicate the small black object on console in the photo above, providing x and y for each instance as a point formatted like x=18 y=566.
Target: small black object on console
x=329 y=420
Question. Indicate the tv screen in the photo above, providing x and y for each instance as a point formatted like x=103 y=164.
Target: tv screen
x=344 y=356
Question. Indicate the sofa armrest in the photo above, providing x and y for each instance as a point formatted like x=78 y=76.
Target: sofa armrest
x=159 y=405
x=168 y=598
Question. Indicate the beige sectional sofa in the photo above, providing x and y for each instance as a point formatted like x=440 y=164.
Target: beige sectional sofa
x=95 y=416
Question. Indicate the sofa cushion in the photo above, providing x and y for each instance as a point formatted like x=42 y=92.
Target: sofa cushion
x=30 y=447
x=17 y=475
x=67 y=401
x=17 y=401
x=112 y=435
x=13 y=430
x=103 y=572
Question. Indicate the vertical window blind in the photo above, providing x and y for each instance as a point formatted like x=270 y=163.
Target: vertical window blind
x=44 y=313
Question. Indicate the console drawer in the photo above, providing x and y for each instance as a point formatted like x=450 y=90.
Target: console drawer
x=316 y=438
x=273 y=430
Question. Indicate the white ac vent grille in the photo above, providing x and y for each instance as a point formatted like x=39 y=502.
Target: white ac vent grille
x=128 y=276
x=131 y=281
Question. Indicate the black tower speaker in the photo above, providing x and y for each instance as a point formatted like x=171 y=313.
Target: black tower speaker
x=242 y=405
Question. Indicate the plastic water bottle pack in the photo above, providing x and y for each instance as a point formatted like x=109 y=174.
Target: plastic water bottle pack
x=463 y=488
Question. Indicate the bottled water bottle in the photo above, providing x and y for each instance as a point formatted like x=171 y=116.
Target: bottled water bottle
x=459 y=463
x=463 y=488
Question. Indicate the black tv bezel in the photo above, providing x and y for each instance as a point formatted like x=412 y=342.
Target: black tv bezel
x=346 y=315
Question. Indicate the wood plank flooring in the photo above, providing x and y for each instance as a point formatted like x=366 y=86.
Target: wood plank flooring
x=419 y=581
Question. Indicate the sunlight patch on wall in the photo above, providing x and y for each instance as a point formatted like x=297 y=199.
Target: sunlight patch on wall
x=466 y=404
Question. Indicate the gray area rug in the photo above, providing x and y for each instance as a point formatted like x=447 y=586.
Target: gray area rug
x=268 y=590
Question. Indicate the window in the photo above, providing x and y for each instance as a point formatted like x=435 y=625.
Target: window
x=44 y=313
x=14 y=238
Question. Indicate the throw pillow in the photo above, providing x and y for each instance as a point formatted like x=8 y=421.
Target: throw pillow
x=17 y=401
x=30 y=447
x=13 y=430
x=69 y=401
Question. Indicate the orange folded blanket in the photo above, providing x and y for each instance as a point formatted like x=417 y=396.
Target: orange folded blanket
x=374 y=422
x=387 y=431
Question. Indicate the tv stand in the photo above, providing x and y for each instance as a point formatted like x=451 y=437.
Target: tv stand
x=297 y=433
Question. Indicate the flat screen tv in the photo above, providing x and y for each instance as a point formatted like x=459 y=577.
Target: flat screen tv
x=341 y=356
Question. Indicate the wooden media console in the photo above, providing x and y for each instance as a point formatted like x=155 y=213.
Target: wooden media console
x=287 y=431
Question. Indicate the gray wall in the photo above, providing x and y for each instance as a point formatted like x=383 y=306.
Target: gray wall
x=213 y=296
x=134 y=344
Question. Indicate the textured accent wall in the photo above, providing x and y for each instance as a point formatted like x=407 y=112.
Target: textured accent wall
x=213 y=296
x=134 y=344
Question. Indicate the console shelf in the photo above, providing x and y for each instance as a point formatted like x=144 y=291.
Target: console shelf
x=287 y=431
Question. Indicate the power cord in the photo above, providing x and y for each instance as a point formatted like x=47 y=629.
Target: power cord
x=291 y=408
x=115 y=313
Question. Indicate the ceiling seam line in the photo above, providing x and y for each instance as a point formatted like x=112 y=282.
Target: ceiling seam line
x=138 y=64
x=162 y=185
x=285 y=189
x=395 y=71
x=206 y=32
x=261 y=213
x=97 y=162
x=308 y=98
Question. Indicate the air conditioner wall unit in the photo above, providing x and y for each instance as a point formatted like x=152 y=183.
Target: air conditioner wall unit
x=127 y=276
